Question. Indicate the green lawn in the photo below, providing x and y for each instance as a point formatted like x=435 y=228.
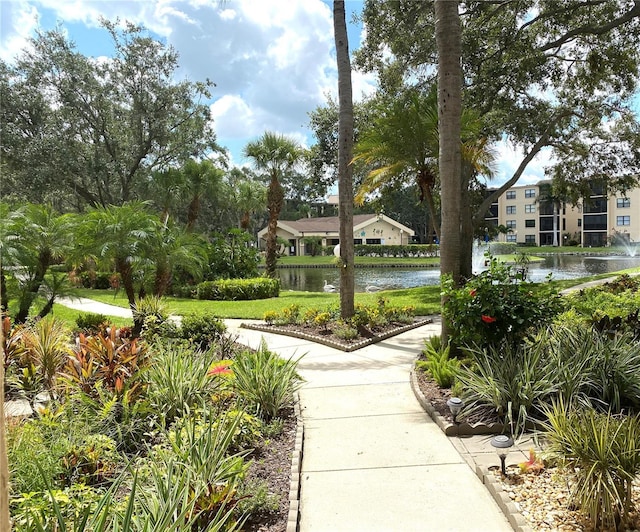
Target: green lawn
x=425 y=299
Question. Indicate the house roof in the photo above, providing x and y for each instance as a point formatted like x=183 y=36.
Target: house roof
x=331 y=224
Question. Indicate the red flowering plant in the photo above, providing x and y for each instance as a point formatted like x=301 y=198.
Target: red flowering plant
x=496 y=305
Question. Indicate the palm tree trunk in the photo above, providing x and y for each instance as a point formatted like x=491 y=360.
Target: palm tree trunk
x=126 y=275
x=448 y=41
x=345 y=155
x=275 y=200
x=428 y=196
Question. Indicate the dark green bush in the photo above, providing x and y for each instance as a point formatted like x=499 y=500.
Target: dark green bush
x=91 y=323
x=493 y=307
x=503 y=248
x=202 y=330
x=410 y=250
x=239 y=289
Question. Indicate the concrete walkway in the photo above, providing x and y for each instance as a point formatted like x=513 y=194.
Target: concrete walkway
x=373 y=459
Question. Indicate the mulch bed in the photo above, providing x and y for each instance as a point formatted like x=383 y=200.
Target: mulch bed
x=271 y=463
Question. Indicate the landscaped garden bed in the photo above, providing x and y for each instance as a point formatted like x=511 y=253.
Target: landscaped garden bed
x=170 y=430
x=574 y=375
x=370 y=324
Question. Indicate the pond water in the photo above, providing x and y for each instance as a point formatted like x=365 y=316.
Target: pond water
x=560 y=266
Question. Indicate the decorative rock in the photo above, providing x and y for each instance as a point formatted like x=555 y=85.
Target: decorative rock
x=18 y=408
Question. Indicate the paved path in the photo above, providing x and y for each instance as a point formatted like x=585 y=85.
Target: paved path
x=373 y=459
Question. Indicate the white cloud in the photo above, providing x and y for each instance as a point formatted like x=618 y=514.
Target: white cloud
x=272 y=61
x=508 y=159
x=18 y=20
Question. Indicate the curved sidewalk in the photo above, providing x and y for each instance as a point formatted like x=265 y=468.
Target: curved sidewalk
x=373 y=459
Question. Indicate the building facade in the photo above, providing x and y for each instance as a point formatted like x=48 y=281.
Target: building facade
x=532 y=216
x=306 y=234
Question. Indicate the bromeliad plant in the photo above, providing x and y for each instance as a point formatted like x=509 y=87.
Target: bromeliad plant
x=496 y=306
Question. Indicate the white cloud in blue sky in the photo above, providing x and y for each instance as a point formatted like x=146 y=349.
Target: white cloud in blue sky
x=273 y=61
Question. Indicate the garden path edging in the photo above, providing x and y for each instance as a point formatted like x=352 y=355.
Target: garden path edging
x=508 y=507
x=274 y=329
x=293 y=517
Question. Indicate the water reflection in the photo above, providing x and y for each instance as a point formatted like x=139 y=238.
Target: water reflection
x=560 y=266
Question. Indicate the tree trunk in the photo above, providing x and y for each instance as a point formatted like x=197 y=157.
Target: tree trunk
x=275 y=200
x=428 y=193
x=448 y=41
x=126 y=275
x=345 y=155
x=5 y=523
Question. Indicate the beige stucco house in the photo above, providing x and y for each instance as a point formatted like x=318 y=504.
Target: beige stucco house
x=367 y=229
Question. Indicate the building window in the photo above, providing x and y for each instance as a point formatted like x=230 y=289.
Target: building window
x=511 y=209
x=530 y=239
x=530 y=193
x=511 y=194
x=511 y=224
x=511 y=238
x=579 y=222
x=623 y=203
x=529 y=223
x=530 y=207
x=623 y=220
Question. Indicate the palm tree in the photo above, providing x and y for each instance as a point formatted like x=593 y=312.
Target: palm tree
x=250 y=198
x=403 y=141
x=200 y=179
x=173 y=247
x=345 y=167
x=122 y=236
x=276 y=155
x=449 y=44
x=44 y=236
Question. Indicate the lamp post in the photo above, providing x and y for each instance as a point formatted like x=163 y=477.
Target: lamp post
x=502 y=445
x=455 y=404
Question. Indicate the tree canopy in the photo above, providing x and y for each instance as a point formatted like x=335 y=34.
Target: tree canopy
x=542 y=74
x=91 y=130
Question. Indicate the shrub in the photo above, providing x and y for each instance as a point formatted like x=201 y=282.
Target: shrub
x=492 y=307
x=46 y=346
x=179 y=381
x=603 y=452
x=267 y=381
x=345 y=331
x=202 y=330
x=90 y=323
x=513 y=381
x=238 y=289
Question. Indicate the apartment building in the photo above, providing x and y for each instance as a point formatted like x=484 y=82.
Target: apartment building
x=532 y=217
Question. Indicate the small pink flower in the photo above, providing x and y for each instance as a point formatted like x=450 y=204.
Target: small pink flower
x=472 y=292
x=488 y=319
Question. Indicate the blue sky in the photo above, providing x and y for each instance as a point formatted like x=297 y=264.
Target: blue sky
x=273 y=61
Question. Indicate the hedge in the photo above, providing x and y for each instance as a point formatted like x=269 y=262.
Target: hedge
x=238 y=289
x=410 y=250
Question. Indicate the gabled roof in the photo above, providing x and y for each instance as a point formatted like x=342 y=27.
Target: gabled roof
x=331 y=224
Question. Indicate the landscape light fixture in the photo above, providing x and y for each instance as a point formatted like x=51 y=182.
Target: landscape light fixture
x=455 y=404
x=502 y=445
